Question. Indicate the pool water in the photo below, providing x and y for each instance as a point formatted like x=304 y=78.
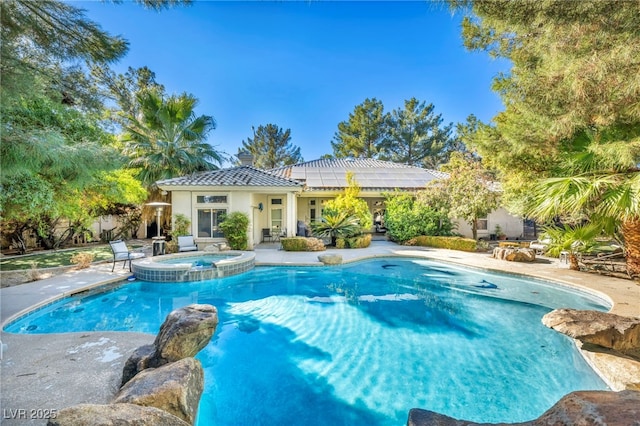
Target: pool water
x=358 y=344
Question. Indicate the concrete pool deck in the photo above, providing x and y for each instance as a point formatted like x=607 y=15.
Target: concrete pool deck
x=53 y=371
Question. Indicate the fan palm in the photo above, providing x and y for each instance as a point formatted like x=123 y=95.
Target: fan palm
x=168 y=140
x=601 y=184
x=572 y=239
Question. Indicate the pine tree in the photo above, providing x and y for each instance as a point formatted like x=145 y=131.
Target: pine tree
x=271 y=147
x=415 y=135
x=363 y=134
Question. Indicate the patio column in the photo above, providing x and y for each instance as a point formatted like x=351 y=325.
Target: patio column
x=292 y=209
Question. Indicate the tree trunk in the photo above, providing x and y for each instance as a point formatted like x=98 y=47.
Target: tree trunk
x=573 y=262
x=631 y=235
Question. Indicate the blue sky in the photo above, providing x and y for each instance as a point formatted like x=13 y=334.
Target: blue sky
x=304 y=65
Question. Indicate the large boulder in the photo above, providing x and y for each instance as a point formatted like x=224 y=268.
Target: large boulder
x=183 y=334
x=576 y=408
x=139 y=360
x=175 y=388
x=330 y=259
x=514 y=254
x=114 y=415
x=599 y=328
x=594 y=408
x=420 y=417
x=186 y=331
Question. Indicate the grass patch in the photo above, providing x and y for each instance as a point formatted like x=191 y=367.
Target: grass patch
x=53 y=259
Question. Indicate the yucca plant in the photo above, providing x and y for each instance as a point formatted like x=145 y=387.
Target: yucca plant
x=336 y=225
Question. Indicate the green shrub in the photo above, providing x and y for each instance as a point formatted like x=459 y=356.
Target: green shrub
x=361 y=241
x=181 y=226
x=235 y=227
x=349 y=204
x=453 y=243
x=407 y=218
x=302 y=244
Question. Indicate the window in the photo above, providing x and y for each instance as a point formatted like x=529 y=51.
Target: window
x=208 y=222
x=481 y=224
x=276 y=218
x=276 y=201
x=312 y=211
x=211 y=199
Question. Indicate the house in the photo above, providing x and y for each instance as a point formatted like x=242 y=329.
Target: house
x=277 y=199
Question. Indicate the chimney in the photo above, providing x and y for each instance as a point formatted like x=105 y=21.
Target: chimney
x=246 y=159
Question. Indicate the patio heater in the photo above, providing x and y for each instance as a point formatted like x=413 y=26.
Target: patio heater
x=158 y=240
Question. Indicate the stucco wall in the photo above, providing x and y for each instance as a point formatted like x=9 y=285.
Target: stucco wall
x=511 y=225
x=181 y=204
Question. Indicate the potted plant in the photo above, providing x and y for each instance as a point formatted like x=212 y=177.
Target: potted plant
x=499 y=234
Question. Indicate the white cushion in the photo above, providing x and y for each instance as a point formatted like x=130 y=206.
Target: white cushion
x=119 y=247
x=121 y=252
x=186 y=243
x=186 y=240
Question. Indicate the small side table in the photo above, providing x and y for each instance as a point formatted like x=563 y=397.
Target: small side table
x=564 y=256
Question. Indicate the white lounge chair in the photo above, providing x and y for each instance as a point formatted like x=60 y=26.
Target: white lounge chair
x=540 y=246
x=187 y=243
x=121 y=253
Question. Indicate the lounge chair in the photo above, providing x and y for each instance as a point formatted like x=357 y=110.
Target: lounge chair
x=186 y=243
x=121 y=253
x=540 y=246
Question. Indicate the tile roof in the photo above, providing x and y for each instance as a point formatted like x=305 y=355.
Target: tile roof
x=236 y=176
x=370 y=174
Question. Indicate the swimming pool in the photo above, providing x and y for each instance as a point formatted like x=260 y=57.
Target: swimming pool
x=360 y=343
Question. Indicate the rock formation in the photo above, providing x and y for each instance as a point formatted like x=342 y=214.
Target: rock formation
x=514 y=254
x=576 y=408
x=175 y=388
x=114 y=414
x=330 y=259
x=161 y=383
x=599 y=328
x=182 y=335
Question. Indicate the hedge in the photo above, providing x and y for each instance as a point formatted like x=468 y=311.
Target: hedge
x=302 y=244
x=361 y=241
x=453 y=243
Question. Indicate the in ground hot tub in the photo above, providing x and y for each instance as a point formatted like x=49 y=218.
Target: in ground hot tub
x=193 y=266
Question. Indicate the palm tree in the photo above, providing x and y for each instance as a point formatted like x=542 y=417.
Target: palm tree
x=601 y=185
x=168 y=140
x=572 y=239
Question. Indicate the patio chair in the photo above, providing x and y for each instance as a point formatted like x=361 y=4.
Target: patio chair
x=540 y=246
x=187 y=243
x=283 y=233
x=121 y=253
x=266 y=235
